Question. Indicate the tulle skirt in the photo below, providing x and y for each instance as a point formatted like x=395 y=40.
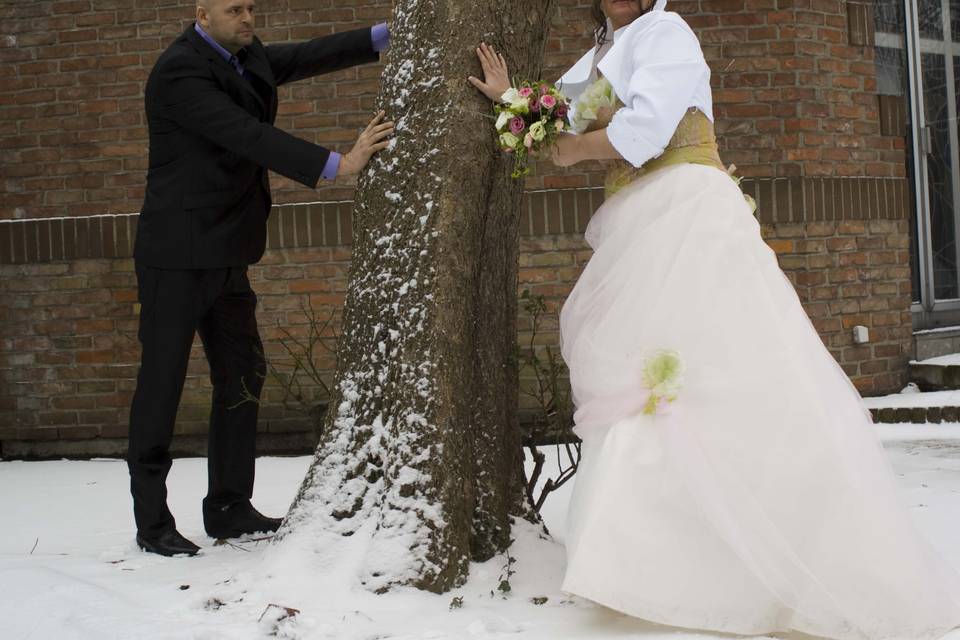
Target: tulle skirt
x=760 y=500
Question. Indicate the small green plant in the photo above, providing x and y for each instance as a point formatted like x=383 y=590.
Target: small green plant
x=503 y=582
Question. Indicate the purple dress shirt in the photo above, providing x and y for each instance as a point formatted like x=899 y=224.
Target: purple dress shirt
x=229 y=57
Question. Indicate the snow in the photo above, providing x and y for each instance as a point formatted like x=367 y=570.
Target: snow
x=914 y=399
x=952 y=359
x=952 y=329
x=70 y=568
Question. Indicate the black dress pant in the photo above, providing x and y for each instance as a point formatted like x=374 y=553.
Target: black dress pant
x=175 y=305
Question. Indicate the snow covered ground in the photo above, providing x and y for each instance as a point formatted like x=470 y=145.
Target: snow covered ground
x=69 y=567
x=912 y=399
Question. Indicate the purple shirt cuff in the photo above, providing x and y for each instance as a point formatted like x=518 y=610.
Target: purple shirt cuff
x=333 y=165
x=381 y=36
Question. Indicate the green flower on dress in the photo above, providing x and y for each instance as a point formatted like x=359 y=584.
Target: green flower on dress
x=662 y=377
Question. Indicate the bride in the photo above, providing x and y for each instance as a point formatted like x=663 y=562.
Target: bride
x=759 y=500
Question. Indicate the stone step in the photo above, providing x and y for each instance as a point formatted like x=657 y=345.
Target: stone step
x=936 y=374
x=912 y=405
x=915 y=415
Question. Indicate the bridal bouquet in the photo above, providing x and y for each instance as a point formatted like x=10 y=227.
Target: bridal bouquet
x=594 y=100
x=529 y=118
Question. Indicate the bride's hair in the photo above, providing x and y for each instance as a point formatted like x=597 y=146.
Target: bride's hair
x=600 y=21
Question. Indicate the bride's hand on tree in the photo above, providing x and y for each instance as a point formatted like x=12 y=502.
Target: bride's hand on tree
x=566 y=151
x=496 y=79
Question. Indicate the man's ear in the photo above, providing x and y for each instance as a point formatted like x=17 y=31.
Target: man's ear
x=202 y=19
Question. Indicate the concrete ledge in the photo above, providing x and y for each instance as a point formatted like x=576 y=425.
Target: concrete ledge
x=934 y=343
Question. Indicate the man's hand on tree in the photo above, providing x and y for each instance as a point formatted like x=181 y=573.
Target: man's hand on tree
x=371 y=140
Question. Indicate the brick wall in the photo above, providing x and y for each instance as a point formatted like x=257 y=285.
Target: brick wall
x=794 y=87
x=74 y=137
x=795 y=107
x=69 y=352
x=71 y=376
x=853 y=273
x=792 y=95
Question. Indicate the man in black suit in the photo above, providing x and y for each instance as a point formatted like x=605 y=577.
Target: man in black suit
x=211 y=101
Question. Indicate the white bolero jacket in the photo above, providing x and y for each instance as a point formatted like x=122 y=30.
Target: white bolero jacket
x=657 y=69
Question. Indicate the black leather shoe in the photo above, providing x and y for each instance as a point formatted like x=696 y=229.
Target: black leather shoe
x=238 y=520
x=168 y=543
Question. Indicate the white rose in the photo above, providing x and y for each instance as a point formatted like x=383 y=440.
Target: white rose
x=518 y=104
x=510 y=96
x=538 y=131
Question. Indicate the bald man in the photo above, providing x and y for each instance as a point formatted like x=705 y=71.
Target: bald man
x=211 y=101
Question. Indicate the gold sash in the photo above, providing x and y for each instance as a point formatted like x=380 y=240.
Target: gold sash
x=694 y=141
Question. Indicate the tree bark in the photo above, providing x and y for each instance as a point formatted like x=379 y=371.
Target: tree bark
x=421 y=449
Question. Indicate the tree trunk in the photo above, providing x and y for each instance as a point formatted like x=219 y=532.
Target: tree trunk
x=421 y=448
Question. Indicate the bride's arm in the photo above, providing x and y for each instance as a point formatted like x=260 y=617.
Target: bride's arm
x=571 y=149
x=496 y=79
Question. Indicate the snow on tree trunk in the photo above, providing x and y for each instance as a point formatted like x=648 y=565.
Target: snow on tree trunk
x=421 y=450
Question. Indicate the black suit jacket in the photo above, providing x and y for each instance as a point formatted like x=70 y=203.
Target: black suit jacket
x=212 y=140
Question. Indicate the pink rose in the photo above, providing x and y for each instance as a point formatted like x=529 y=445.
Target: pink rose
x=534 y=104
x=517 y=125
x=562 y=111
x=544 y=89
x=526 y=92
x=548 y=101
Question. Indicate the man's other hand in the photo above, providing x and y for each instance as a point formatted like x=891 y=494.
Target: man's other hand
x=371 y=140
